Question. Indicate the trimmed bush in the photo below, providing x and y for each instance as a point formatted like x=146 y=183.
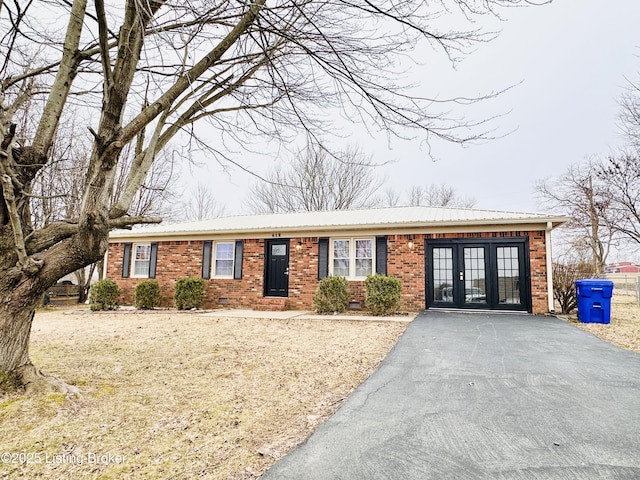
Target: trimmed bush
x=332 y=295
x=104 y=295
x=383 y=294
x=189 y=293
x=148 y=295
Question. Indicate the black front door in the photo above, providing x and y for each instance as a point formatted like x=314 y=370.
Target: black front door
x=491 y=273
x=276 y=276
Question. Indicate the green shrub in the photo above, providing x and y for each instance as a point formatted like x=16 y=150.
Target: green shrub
x=382 y=294
x=104 y=295
x=148 y=295
x=332 y=295
x=189 y=293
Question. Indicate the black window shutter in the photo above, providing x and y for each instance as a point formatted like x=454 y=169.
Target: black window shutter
x=237 y=263
x=381 y=255
x=126 y=260
x=206 y=259
x=153 y=260
x=323 y=258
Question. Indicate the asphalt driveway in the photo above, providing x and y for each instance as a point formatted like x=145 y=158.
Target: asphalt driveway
x=484 y=396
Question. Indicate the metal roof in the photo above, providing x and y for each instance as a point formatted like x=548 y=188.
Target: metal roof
x=337 y=220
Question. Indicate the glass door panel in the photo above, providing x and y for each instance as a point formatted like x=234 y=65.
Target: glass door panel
x=442 y=262
x=508 y=267
x=475 y=286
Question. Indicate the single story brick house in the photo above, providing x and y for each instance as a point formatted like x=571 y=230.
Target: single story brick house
x=444 y=257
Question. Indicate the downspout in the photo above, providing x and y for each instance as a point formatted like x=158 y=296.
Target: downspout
x=104 y=266
x=547 y=243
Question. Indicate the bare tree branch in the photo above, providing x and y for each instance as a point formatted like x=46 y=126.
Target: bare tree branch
x=630 y=113
x=64 y=78
x=124 y=222
x=104 y=47
x=50 y=235
x=315 y=181
x=16 y=225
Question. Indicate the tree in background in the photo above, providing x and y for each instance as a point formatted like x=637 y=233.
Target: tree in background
x=583 y=195
x=629 y=118
x=433 y=195
x=621 y=171
x=441 y=195
x=390 y=198
x=201 y=205
x=223 y=76
x=314 y=180
x=621 y=174
x=602 y=197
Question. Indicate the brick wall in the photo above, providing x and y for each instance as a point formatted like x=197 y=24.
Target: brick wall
x=303 y=272
x=407 y=264
x=175 y=259
x=538 y=261
x=184 y=258
x=244 y=292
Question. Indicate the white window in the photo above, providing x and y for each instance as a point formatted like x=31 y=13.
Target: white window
x=223 y=256
x=141 y=260
x=352 y=257
x=364 y=257
x=341 y=257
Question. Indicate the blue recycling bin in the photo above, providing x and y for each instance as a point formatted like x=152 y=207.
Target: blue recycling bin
x=594 y=300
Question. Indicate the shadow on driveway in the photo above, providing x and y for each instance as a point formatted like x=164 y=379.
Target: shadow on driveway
x=468 y=395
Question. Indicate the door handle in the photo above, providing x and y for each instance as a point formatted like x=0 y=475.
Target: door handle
x=461 y=276
x=286 y=272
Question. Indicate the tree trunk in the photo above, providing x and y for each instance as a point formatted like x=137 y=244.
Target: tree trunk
x=21 y=290
x=83 y=283
x=16 y=370
x=15 y=327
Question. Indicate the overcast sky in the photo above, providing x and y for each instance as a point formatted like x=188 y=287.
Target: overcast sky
x=572 y=57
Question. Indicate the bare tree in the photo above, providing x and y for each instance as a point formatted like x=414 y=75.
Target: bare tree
x=201 y=205
x=602 y=196
x=438 y=196
x=57 y=189
x=630 y=113
x=218 y=74
x=621 y=174
x=314 y=180
x=390 y=198
x=583 y=196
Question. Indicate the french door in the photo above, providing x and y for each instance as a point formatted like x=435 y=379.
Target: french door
x=490 y=274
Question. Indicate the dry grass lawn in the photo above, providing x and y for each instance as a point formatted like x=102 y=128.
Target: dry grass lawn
x=181 y=395
x=624 y=329
x=184 y=395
